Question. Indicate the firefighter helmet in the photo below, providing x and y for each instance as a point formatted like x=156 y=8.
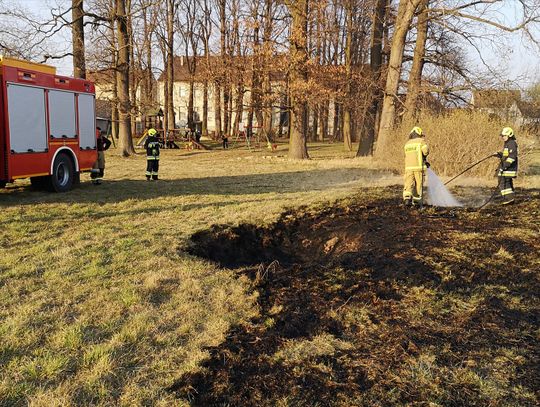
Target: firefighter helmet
x=152 y=132
x=507 y=131
x=417 y=130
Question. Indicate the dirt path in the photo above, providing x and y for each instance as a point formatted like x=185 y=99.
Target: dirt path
x=369 y=304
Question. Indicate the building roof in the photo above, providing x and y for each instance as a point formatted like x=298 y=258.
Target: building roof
x=108 y=75
x=102 y=76
x=495 y=99
x=529 y=110
x=210 y=66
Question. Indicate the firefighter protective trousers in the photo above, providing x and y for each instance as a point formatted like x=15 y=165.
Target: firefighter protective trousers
x=508 y=170
x=416 y=150
x=152 y=157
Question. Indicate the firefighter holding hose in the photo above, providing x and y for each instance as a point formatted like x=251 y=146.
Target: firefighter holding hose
x=509 y=165
x=416 y=152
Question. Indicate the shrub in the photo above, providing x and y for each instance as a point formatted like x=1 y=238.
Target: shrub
x=458 y=139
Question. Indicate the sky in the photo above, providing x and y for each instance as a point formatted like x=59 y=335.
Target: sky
x=510 y=53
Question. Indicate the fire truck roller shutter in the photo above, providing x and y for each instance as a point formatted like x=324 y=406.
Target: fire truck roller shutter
x=62 y=114
x=87 y=121
x=27 y=123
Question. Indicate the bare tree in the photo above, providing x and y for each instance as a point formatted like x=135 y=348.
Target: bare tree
x=368 y=131
x=415 y=75
x=406 y=11
x=122 y=79
x=347 y=140
x=169 y=107
x=77 y=30
x=298 y=77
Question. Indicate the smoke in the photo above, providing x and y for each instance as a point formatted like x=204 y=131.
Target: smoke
x=437 y=194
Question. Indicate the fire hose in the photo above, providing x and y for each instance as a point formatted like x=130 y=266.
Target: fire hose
x=490 y=198
x=469 y=168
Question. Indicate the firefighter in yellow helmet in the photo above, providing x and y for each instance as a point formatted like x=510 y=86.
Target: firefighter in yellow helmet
x=416 y=151
x=509 y=165
x=152 y=155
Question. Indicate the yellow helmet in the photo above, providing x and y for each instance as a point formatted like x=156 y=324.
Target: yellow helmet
x=417 y=130
x=152 y=132
x=507 y=131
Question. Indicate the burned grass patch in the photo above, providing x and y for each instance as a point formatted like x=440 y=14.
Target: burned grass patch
x=369 y=304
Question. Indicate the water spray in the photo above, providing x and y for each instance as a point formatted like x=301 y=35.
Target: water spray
x=467 y=169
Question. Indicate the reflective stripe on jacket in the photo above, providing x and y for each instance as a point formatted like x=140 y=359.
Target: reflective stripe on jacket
x=509 y=160
x=416 y=150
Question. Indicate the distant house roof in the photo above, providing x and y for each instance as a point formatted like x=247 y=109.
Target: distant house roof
x=108 y=75
x=102 y=76
x=495 y=99
x=207 y=67
x=529 y=110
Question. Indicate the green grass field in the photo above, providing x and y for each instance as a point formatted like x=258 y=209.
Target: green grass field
x=98 y=306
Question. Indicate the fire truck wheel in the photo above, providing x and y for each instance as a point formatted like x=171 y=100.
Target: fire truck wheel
x=63 y=174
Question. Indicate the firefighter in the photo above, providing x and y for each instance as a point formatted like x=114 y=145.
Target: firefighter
x=98 y=169
x=509 y=165
x=152 y=155
x=416 y=151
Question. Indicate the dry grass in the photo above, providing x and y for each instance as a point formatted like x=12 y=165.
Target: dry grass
x=98 y=305
x=459 y=139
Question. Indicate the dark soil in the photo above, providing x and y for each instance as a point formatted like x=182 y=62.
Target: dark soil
x=416 y=307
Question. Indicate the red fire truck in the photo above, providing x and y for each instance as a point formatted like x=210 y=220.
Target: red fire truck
x=47 y=126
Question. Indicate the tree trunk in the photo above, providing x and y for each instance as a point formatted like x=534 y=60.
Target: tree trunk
x=77 y=33
x=165 y=94
x=298 y=76
x=415 y=76
x=227 y=105
x=239 y=107
x=217 y=109
x=191 y=97
x=205 y=109
x=283 y=110
x=267 y=107
x=114 y=65
x=267 y=100
x=336 y=131
x=224 y=59
x=323 y=121
x=122 y=80
x=347 y=125
x=404 y=18
x=134 y=70
x=368 y=131
x=315 y=123
x=170 y=66
x=147 y=84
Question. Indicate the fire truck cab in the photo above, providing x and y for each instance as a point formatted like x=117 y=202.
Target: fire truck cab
x=47 y=126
